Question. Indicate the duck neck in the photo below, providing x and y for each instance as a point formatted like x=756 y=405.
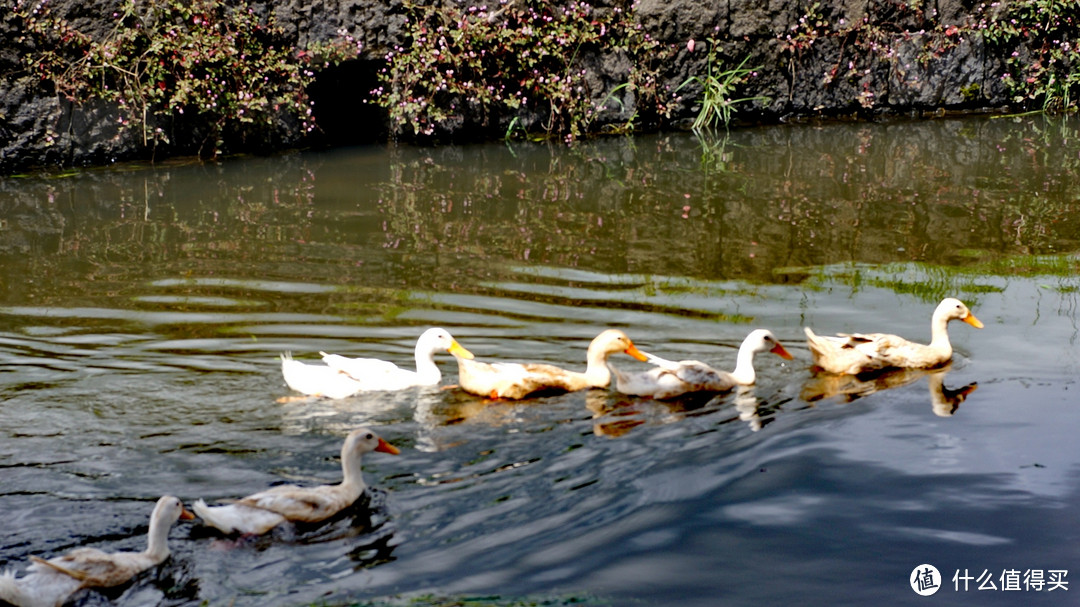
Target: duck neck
x=744 y=367
x=597 y=373
x=157 y=542
x=353 y=481
x=939 y=335
x=426 y=368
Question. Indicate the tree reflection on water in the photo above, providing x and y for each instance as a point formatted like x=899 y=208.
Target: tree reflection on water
x=766 y=206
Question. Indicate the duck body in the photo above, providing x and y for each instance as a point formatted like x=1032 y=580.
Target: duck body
x=671 y=379
x=519 y=380
x=51 y=582
x=855 y=353
x=341 y=377
x=41 y=587
x=260 y=512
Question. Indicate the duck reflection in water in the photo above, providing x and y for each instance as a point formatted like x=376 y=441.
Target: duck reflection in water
x=615 y=417
x=327 y=416
x=847 y=388
x=457 y=407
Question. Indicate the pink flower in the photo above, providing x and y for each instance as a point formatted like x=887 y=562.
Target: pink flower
x=690 y=46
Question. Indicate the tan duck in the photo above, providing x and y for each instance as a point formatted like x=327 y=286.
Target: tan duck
x=864 y=352
x=258 y=513
x=341 y=377
x=51 y=582
x=518 y=380
x=671 y=379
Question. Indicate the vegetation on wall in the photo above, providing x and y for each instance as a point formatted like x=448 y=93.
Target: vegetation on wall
x=221 y=71
x=858 y=49
x=1040 y=40
x=209 y=76
x=717 y=88
x=530 y=66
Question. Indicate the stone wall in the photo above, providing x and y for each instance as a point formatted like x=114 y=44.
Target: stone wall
x=840 y=58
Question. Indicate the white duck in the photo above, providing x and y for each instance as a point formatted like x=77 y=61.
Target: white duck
x=341 y=377
x=863 y=352
x=258 y=513
x=51 y=582
x=671 y=379
x=518 y=380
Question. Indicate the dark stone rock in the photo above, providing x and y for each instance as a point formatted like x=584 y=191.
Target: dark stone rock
x=951 y=78
x=683 y=20
x=757 y=19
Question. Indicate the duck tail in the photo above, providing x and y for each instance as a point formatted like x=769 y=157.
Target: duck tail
x=206 y=513
x=663 y=363
x=292 y=371
x=9 y=588
x=816 y=344
x=237 y=518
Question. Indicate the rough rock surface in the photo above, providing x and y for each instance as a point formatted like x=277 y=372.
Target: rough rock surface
x=842 y=58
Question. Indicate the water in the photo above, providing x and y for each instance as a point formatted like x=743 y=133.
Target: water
x=144 y=308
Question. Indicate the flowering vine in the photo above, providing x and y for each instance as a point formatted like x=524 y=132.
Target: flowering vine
x=221 y=70
x=529 y=65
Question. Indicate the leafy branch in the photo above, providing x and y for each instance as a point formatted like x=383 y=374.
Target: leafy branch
x=222 y=70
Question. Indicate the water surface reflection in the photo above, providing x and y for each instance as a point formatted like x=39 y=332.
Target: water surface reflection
x=143 y=312
x=847 y=388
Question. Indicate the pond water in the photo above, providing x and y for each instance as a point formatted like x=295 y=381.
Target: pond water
x=144 y=308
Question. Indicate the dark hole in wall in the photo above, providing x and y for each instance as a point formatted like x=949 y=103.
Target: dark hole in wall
x=343 y=111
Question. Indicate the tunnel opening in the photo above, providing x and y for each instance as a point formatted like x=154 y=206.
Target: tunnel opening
x=344 y=111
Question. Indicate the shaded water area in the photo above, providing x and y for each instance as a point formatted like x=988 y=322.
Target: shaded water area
x=143 y=310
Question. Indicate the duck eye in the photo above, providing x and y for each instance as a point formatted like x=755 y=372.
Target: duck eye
x=370 y=436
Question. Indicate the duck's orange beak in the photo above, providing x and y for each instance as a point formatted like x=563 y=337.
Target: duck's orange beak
x=456 y=349
x=386 y=447
x=186 y=515
x=633 y=351
x=971 y=320
x=781 y=352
